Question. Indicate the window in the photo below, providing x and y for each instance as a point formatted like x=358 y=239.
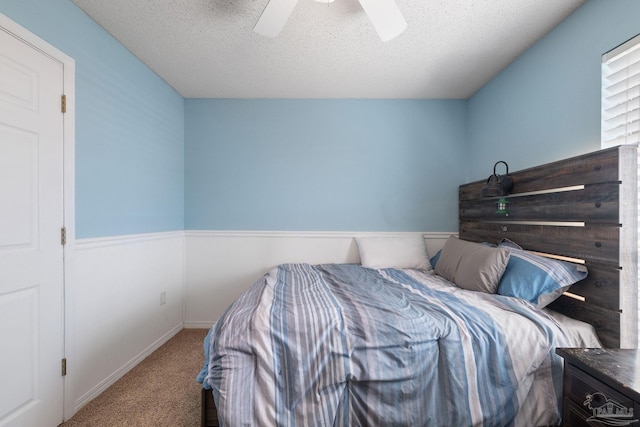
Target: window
x=621 y=103
x=621 y=94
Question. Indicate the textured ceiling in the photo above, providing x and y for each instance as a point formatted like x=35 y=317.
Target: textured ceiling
x=207 y=49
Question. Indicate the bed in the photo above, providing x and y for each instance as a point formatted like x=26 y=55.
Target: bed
x=452 y=338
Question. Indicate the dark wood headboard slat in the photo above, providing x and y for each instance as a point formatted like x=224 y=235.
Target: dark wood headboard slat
x=589 y=243
x=604 y=321
x=595 y=203
x=584 y=208
x=597 y=167
x=600 y=287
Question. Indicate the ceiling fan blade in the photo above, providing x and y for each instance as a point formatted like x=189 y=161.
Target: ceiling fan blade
x=274 y=16
x=385 y=17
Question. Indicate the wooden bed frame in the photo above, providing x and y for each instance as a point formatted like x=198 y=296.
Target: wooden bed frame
x=209 y=414
x=583 y=209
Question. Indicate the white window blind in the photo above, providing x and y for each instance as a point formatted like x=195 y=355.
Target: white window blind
x=621 y=94
x=621 y=105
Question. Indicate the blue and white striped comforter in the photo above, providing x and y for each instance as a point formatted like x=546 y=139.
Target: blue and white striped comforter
x=343 y=345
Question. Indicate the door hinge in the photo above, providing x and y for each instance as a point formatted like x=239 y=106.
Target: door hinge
x=64 y=367
x=63 y=103
x=63 y=236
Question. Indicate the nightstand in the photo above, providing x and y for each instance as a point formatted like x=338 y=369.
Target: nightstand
x=601 y=387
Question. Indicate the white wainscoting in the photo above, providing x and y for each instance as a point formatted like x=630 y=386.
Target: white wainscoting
x=220 y=265
x=116 y=315
x=118 y=318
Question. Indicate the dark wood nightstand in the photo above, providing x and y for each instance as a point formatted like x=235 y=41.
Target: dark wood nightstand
x=601 y=387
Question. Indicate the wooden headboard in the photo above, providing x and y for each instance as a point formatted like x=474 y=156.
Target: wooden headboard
x=583 y=208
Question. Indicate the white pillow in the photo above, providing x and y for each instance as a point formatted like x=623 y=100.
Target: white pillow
x=393 y=252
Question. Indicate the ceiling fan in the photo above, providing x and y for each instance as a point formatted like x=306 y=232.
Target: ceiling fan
x=384 y=15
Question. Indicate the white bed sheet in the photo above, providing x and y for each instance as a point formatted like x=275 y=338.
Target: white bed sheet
x=581 y=334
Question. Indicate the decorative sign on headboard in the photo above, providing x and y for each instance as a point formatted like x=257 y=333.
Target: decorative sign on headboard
x=583 y=209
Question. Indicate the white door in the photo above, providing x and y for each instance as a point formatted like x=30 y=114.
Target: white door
x=31 y=254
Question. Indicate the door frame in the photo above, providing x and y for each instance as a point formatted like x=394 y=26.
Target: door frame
x=69 y=118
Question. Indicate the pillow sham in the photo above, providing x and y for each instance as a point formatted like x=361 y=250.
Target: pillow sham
x=393 y=252
x=472 y=266
x=434 y=259
x=535 y=278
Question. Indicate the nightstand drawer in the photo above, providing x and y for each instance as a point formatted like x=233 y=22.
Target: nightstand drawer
x=574 y=415
x=578 y=385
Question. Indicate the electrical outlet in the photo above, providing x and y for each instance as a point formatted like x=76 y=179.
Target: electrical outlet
x=163 y=298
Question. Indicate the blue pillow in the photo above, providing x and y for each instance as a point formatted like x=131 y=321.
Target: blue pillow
x=435 y=258
x=535 y=278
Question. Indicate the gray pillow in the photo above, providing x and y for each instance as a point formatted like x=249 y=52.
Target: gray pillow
x=472 y=265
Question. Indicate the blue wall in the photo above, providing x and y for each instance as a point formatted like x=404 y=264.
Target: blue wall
x=378 y=165
x=358 y=165
x=546 y=105
x=129 y=126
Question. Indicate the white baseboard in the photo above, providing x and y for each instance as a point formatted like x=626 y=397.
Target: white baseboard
x=115 y=376
x=198 y=325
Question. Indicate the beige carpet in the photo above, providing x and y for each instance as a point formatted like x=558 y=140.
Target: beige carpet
x=160 y=391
